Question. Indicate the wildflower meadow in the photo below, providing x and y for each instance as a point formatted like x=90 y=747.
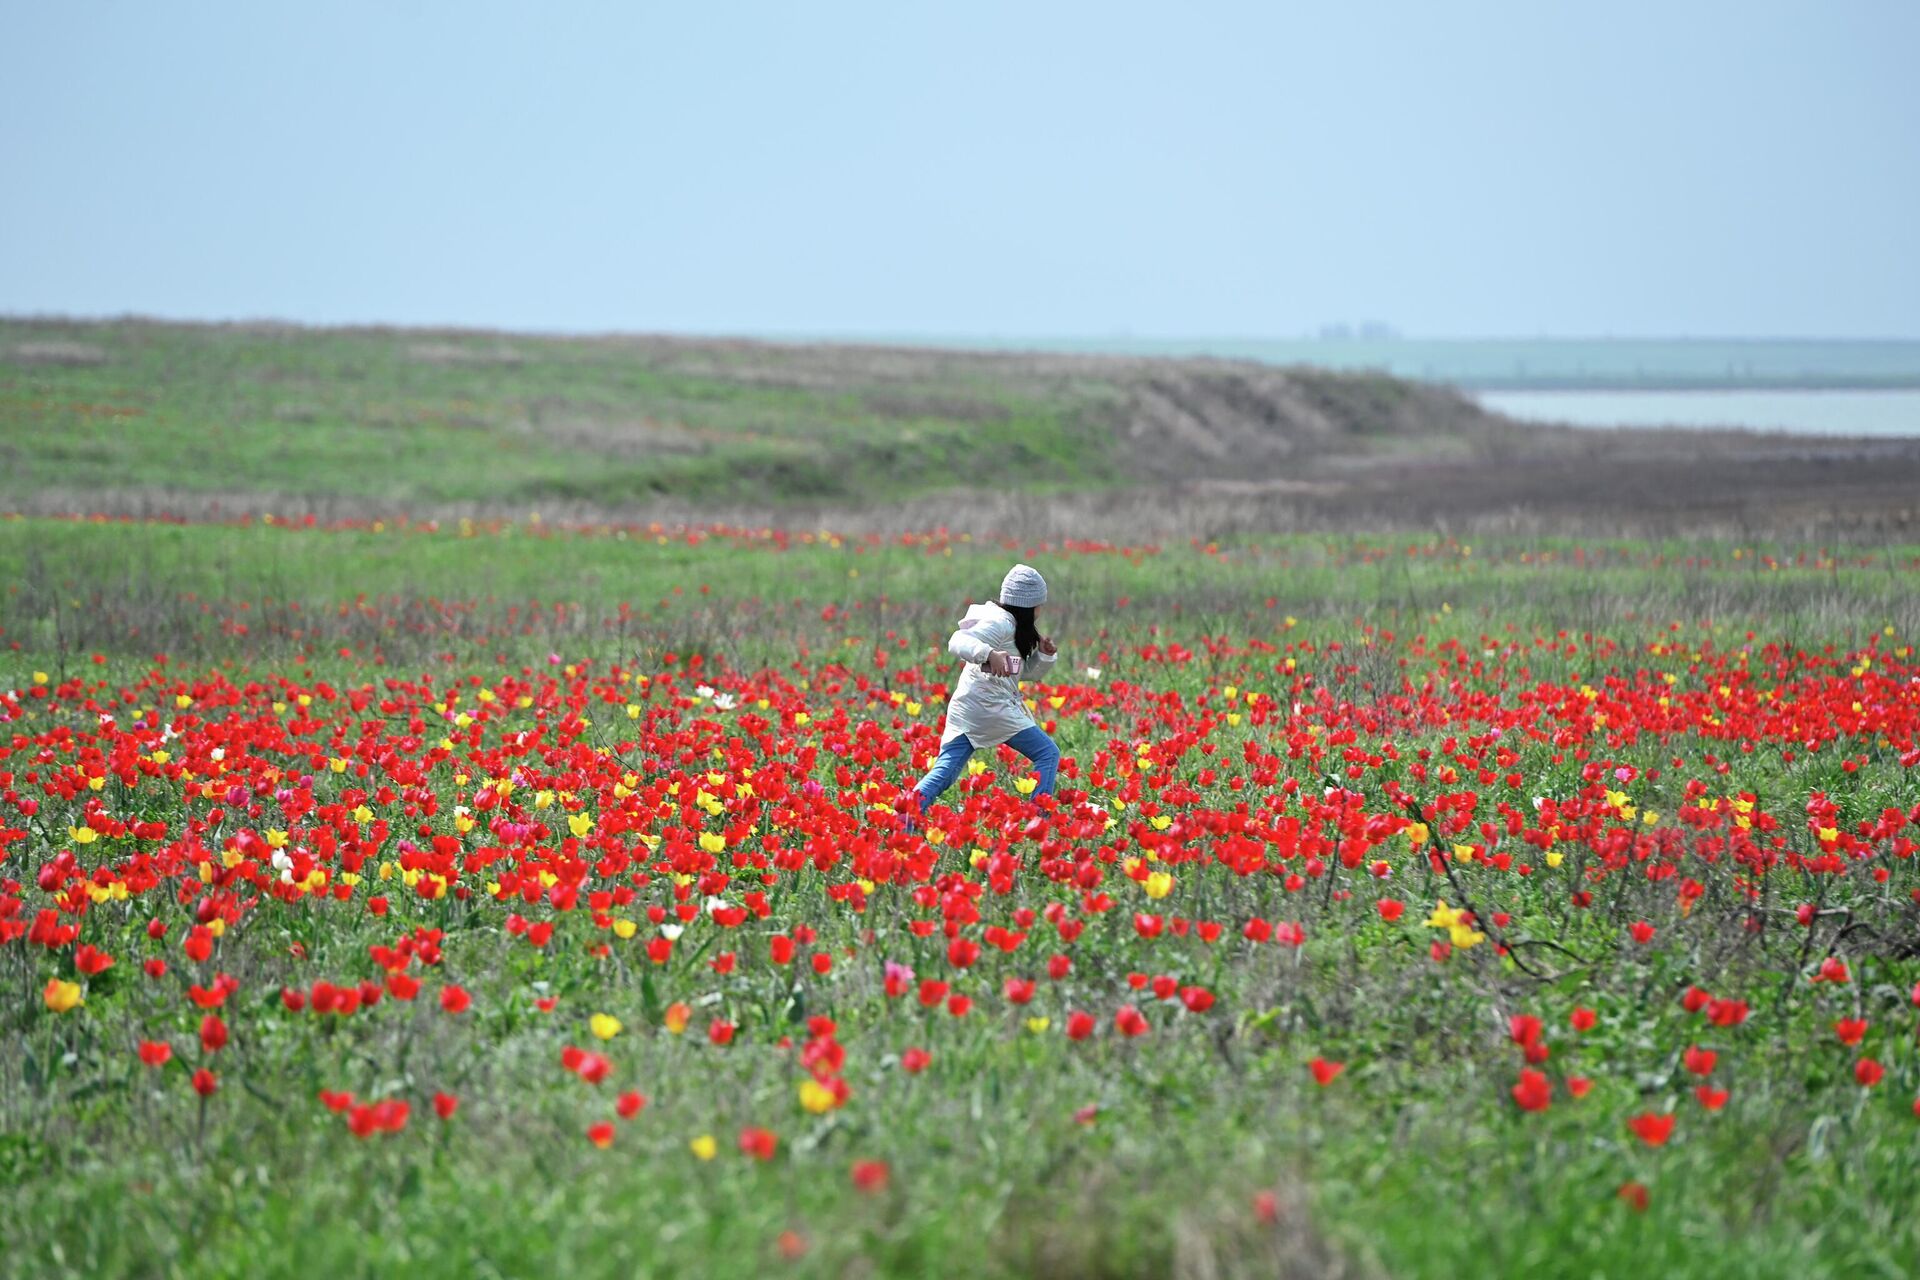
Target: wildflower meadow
x=511 y=898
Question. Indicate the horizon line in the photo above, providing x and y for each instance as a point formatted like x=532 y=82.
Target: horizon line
x=885 y=337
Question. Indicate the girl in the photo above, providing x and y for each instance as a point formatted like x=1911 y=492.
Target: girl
x=986 y=708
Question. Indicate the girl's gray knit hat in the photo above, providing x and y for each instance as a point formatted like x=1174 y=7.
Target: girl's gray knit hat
x=1023 y=585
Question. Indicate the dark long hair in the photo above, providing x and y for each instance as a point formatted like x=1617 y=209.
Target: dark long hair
x=1026 y=635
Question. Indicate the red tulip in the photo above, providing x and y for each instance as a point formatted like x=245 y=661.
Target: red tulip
x=213 y=1034
x=1654 y=1130
x=1727 y=1013
x=1533 y=1092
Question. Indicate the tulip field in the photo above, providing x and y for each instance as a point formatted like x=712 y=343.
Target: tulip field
x=505 y=899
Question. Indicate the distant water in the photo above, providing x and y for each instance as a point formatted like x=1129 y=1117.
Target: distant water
x=1837 y=413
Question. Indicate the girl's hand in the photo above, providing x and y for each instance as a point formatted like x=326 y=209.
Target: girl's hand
x=1047 y=646
x=996 y=664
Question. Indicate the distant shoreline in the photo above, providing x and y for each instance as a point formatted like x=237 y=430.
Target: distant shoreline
x=1465 y=364
x=1519 y=364
x=1834 y=382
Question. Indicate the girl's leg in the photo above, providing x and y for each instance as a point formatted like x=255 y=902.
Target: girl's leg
x=946 y=769
x=1033 y=743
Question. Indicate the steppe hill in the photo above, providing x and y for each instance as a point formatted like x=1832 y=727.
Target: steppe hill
x=145 y=418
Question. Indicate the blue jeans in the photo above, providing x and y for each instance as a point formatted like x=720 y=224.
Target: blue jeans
x=1031 y=742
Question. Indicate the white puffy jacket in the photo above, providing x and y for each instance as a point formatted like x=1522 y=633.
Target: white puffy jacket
x=988 y=708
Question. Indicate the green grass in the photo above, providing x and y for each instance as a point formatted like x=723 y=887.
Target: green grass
x=404 y=418
x=135 y=587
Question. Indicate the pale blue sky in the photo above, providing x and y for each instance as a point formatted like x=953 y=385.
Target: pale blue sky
x=1041 y=169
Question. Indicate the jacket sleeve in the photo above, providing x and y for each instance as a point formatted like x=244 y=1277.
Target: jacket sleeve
x=1040 y=662
x=969 y=646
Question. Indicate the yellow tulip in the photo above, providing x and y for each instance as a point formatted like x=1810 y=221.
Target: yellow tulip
x=61 y=996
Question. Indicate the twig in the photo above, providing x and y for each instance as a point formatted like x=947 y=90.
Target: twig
x=1485 y=922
